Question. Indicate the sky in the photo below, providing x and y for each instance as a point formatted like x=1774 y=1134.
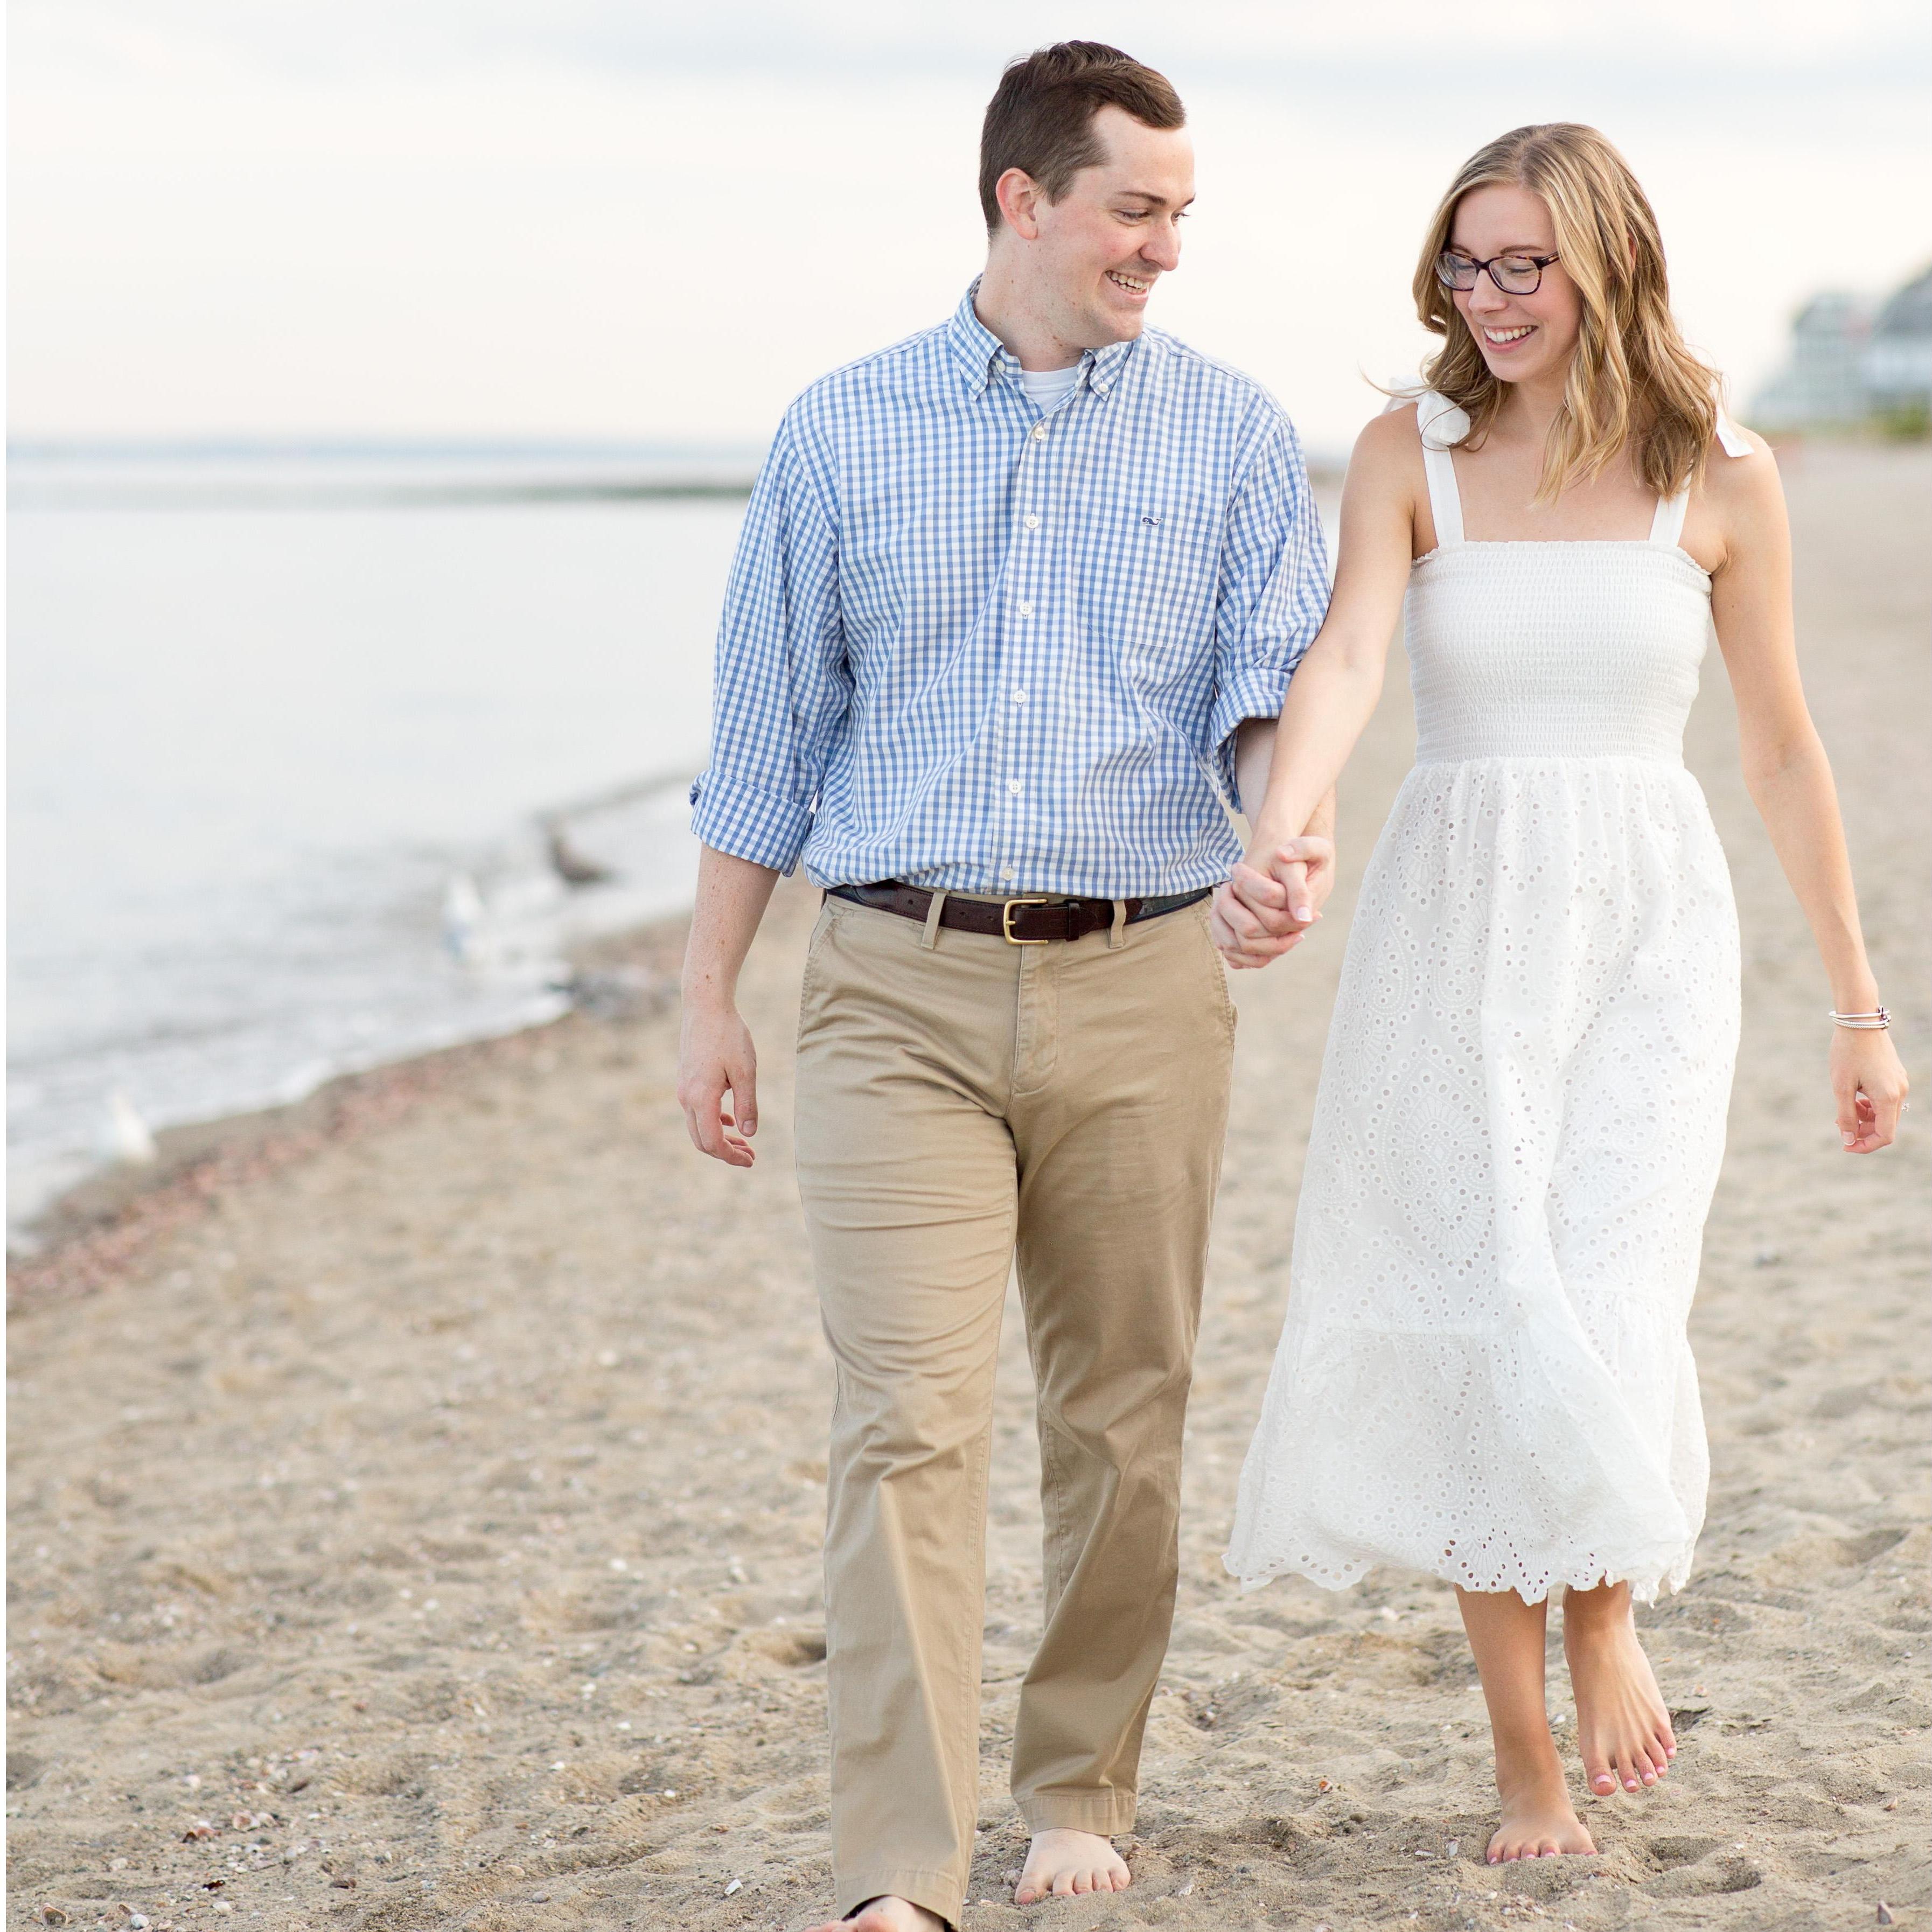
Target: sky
x=604 y=219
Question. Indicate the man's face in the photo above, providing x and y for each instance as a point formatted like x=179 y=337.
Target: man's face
x=1101 y=247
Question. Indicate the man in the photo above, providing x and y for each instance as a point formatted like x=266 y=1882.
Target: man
x=1006 y=595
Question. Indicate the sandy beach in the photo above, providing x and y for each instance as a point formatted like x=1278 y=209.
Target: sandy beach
x=416 y=1506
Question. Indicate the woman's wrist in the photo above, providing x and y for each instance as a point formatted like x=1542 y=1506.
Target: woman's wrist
x=1857 y=996
x=1274 y=828
x=1868 y=1020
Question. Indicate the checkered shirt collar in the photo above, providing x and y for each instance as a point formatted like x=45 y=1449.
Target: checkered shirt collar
x=983 y=358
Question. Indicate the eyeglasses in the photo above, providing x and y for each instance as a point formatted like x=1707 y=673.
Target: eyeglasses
x=1514 y=274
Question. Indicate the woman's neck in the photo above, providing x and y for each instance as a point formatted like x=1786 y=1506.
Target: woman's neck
x=1530 y=407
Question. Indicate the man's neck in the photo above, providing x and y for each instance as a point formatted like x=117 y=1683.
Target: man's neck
x=1013 y=311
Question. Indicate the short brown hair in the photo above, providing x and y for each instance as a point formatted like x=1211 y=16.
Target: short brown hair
x=1040 y=119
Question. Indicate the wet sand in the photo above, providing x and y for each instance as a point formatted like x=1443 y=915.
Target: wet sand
x=415 y=1523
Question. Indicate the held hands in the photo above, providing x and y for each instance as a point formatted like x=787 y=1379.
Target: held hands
x=716 y=1057
x=1870 y=1087
x=1275 y=895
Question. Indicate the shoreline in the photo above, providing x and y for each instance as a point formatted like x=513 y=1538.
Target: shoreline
x=561 y=951
x=86 y=1232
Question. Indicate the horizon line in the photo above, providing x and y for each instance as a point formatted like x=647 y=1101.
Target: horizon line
x=328 y=443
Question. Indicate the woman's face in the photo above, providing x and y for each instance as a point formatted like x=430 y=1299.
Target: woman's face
x=1522 y=337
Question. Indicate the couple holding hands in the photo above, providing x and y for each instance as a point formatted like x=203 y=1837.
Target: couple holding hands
x=1024 y=608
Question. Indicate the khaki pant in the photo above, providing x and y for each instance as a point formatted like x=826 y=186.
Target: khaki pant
x=963 y=1103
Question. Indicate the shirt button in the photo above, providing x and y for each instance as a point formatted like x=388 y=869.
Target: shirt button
x=1019 y=697
x=1033 y=523
x=1013 y=786
x=1026 y=610
x=1007 y=877
x=1040 y=432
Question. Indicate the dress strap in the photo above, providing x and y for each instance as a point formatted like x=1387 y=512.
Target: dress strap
x=1440 y=423
x=1445 y=505
x=1667 y=527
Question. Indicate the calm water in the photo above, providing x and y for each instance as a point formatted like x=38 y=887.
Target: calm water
x=255 y=739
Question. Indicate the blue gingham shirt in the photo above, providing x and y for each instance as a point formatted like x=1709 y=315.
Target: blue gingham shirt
x=980 y=648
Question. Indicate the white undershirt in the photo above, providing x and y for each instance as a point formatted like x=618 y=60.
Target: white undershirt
x=1045 y=388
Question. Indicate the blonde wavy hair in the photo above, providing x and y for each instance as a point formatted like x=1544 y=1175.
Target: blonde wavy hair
x=1633 y=381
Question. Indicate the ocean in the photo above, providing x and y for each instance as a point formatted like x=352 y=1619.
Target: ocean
x=290 y=732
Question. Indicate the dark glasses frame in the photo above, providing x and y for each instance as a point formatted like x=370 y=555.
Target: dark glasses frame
x=1460 y=273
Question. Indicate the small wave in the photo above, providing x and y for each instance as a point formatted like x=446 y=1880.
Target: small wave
x=402 y=985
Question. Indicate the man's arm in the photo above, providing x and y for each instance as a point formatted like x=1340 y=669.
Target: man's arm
x=1272 y=594
x=715 y=1055
x=782 y=693
x=782 y=686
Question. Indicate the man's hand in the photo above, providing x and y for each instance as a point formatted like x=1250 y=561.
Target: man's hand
x=714 y=1054
x=1271 y=900
x=716 y=1057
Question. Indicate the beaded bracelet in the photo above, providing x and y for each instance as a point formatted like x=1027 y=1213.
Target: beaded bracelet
x=1875 y=1021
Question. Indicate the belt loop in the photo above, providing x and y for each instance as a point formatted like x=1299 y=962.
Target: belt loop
x=1117 y=933
x=929 y=940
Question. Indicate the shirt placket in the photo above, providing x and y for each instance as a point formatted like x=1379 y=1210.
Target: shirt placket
x=1028 y=613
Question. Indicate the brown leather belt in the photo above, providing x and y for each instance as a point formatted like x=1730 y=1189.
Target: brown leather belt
x=1032 y=919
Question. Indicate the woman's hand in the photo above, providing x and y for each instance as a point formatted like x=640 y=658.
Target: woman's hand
x=1870 y=1087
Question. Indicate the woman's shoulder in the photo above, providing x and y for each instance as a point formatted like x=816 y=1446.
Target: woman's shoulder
x=1740 y=470
x=1737 y=511
x=1393 y=438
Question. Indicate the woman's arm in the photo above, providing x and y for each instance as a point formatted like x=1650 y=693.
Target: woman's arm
x=1790 y=780
x=1259 y=913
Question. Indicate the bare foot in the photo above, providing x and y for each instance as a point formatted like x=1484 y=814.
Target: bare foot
x=1623 y=1730
x=886 y=1915
x=1538 y=1820
x=1060 y=1863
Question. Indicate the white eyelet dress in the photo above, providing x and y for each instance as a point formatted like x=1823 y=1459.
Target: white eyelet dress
x=1484 y=1373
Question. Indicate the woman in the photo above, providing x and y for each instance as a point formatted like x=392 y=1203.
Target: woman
x=1484 y=1373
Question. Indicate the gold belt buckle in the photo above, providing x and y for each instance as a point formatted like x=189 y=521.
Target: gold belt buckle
x=1007 y=921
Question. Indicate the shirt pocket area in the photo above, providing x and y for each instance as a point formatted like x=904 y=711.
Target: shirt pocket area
x=1153 y=588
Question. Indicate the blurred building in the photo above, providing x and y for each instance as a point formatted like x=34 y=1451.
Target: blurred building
x=1852 y=366
x=1898 y=363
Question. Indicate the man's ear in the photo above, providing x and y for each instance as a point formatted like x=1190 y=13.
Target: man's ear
x=1019 y=198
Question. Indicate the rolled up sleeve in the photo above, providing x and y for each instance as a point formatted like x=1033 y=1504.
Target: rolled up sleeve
x=781 y=686
x=1273 y=587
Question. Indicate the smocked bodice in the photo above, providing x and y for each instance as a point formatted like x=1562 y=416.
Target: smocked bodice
x=1555 y=650
x=1549 y=649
